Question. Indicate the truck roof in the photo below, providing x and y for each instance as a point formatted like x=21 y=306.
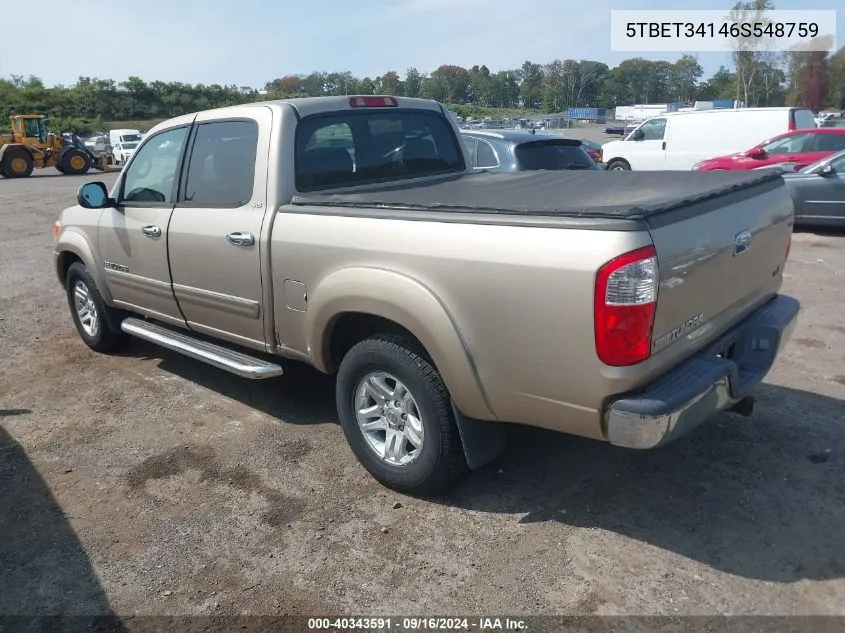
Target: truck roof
x=306 y=106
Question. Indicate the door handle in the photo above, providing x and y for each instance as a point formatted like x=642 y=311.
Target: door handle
x=241 y=238
x=664 y=144
x=152 y=230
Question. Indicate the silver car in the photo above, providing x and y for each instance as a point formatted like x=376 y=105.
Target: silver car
x=521 y=150
x=818 y=192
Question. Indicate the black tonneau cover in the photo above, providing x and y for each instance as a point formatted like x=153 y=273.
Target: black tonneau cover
x=589 y=194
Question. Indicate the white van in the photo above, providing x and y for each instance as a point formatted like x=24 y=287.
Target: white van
x=678 y=140
x=124 y=136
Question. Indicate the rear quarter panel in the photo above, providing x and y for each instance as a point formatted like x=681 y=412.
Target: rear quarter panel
x=521 y=297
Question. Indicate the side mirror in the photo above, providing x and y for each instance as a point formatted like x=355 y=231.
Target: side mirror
x=638 y=135
x=94 y=195
x=827 y=170
x=756 y=152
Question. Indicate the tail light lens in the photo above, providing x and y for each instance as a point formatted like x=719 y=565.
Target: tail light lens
x=625 y=301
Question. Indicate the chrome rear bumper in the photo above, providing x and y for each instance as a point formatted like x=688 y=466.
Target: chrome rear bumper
x=713 y=380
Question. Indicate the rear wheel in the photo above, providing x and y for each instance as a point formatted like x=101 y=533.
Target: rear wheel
x=89 y=311
x=396 y=415
x=74 y=162
x=17 y=163
x=618 y=165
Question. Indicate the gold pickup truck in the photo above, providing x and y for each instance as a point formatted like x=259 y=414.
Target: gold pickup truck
x=349 y=233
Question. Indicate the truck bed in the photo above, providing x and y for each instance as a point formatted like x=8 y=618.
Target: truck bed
x=586 y=194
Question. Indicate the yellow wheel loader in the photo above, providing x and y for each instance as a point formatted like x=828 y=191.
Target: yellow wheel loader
x=29 y=146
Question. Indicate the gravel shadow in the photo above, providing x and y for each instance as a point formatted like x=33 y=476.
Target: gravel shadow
x=302 y=395
x=762 y=498
x=44 y=570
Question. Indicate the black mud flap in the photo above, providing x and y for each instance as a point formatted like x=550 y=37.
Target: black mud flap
x=483 y=440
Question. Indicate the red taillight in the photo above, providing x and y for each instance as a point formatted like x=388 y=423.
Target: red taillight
x=373 y=102
x=625 y=300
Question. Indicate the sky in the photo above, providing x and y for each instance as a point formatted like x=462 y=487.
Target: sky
x=251 y=42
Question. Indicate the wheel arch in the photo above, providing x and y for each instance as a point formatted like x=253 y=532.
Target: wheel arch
x=364 y=301
x=73 y=246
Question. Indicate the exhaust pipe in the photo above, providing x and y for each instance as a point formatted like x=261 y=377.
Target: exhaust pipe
x=744 y=407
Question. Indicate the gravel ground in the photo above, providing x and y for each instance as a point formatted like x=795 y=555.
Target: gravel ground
x=147 y=483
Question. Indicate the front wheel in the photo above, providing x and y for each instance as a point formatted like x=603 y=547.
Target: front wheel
x=75 y=162
x=396 y=415
x=89 y=310
x=618 y=165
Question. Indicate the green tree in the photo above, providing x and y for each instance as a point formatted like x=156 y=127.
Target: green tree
x=389 y=83
x=455 y=82
x=413 y=82
x=531 y=84
x=684 y=77
x=836 y=85
x=749 y=52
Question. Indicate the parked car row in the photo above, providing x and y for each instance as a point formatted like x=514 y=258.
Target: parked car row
x=800 y=148
x=680 y=140
x=818 y=192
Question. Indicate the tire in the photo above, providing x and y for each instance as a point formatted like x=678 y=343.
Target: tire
x=89 y=312
x=384 y=360
x=17 y=163
x=74 y=162
x=618 y=165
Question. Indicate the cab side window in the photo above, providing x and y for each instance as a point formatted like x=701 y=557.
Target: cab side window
x=150 y=177
x=222 y=166
x=838 y=165
x=486 y=155
x=471 y=144
x=653 y=130
x=829 y=143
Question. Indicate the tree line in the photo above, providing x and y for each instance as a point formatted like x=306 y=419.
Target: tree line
x=813 y=79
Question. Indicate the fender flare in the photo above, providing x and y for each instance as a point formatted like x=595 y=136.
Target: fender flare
x=74 y=242
x=3 y=149
x=399 y=298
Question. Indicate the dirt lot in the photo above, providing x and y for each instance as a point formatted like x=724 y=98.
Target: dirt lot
x=146 y=483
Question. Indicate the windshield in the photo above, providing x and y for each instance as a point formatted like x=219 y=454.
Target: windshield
x=556 y=155
x=353 y=148
x=792 y=144
x=130 y=138
x=130 y=145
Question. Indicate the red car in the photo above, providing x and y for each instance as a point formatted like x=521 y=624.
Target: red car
x=801 y=147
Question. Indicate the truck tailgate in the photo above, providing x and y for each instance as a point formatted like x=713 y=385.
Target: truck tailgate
x=718 y=259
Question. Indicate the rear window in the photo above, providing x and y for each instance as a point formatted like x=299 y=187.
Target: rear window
x=354 y=148
x=538 y=155
x=803 y=119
